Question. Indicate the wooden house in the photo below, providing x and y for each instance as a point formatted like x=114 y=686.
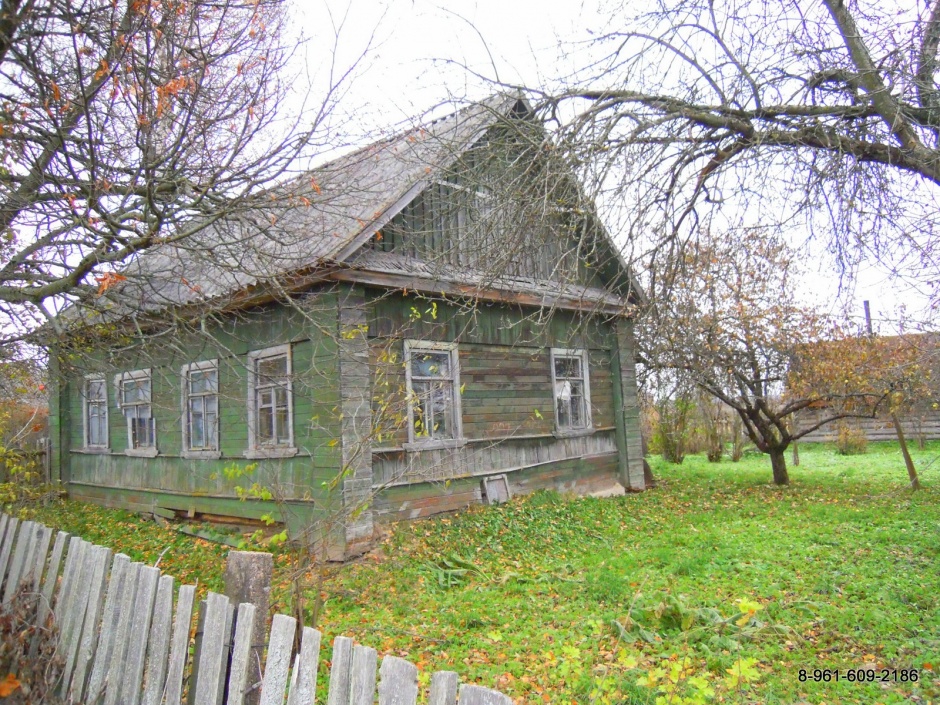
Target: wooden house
x=435 y=320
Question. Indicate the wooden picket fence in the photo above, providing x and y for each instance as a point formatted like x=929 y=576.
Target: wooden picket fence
x=122 y=641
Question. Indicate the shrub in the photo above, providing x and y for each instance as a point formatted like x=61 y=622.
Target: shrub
x=850 y=440
x=739 y=441
x=714 y=426
x=672 y=428
x=28 y=654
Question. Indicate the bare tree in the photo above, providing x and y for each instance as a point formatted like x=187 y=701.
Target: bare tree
x=126 y=125
x=820 y=119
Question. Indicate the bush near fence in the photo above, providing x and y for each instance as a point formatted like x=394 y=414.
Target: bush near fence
x=121 y=639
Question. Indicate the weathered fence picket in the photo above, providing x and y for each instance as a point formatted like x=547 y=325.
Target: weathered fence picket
x=52 y=576
x=105 y=646
x=362 y=676
x=210 y=669
x=122 y=640
x=159 y=642
x=443 y=688
x=241 y=654
x=179 y=649
x=338 y=693
x=85 y=646
x=277 y=664
x=8 y=537
x=398 y=682
x=122 y=636
x=16 y=564
x=304 y=681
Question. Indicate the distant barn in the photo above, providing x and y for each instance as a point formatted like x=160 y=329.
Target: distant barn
x=920 y=420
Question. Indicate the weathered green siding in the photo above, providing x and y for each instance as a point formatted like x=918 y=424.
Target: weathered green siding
x=420 y=318
x=505 y=367
x=316 y=415
x=507 y=412
x=506 y=398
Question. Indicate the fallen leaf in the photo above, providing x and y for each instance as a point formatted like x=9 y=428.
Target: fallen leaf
x=8 y=685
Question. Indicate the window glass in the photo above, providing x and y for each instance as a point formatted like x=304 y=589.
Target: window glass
x=570 y=382
x=96 y=413
x=202 y=407
x=272 y=401
x=135 y=403
x=433 y=394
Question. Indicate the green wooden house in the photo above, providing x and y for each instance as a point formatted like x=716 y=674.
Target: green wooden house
x=436 y=320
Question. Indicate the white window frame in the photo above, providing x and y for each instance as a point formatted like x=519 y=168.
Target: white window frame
x=145 y=451
x=186 y=450
x=588 y=426
x=281 y=450
x=420 y=443
x=87 y=446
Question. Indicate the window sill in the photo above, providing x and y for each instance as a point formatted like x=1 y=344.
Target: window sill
x=201 y=454
x=573 y=432
x=141 y=452
x=434 y=445
x=93 y=450
x=273 y=452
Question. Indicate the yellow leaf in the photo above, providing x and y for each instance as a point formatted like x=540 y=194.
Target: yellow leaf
x=8 y=685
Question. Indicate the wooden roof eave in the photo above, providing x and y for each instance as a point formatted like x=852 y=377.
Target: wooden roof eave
x=408 y=282
x=258 y=294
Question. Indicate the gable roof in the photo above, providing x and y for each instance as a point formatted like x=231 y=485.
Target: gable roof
x=320 y=221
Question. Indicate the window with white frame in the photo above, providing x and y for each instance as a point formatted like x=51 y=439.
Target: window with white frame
x=433 y=384
x=270 y=409
x=201 y=407
x=135 y=395
x=95 y=395
x=572 y=389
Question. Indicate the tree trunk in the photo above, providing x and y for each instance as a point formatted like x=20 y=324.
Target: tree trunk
x=779 y=463
x=796 y=455
x=911 y=470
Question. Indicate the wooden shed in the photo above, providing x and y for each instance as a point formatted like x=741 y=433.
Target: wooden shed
x=435 y=320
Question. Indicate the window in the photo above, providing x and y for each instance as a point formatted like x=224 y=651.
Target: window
x=95 y=412
x=135 y=400
x=201 y=409
x=270 y=412
x=433 y=383
x=572 y=390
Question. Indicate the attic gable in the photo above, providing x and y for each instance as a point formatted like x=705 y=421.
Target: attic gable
x=504 y=208
x=324 y=219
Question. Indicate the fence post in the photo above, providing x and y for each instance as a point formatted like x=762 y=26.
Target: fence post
x=248 y=579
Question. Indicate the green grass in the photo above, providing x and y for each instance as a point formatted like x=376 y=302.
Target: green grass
x=715 y=571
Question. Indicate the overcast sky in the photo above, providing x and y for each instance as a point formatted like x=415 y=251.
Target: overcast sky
x=425 y=52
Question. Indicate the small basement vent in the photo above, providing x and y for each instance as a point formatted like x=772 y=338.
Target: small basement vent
x=495 y=489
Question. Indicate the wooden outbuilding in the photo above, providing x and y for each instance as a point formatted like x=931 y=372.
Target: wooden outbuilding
x=435 y=320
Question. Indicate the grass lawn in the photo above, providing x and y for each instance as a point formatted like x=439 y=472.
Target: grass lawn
x=715 y=587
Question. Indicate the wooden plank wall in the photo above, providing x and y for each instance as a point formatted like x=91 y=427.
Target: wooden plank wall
x=110 y=474
x=485 y=458
x=505 y=368
x=356 y=414
x=925 y=424
x=122 y=639
x=507 y=405
x=582 y=475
